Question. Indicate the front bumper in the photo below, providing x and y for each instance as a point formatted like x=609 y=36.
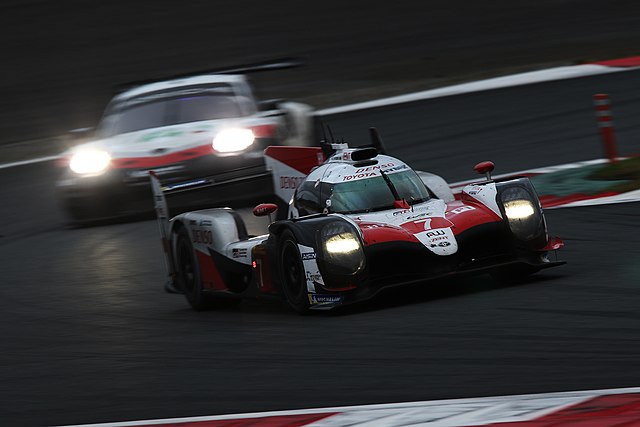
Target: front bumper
x=121 y=192
x=484 y=249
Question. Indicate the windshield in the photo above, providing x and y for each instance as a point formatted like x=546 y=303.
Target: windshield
x=374 y=194
x=164 y=111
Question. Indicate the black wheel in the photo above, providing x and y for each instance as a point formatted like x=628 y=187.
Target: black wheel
x=292 y=275
x=188 y=277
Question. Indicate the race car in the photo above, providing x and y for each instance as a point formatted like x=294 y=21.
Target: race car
x=359 y=221
x=205 y=128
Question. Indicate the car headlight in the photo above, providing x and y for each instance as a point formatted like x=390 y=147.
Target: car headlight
x=90 y=162
x=518 y=209
x=235 y=139
x=524 y=218
x=342 y=250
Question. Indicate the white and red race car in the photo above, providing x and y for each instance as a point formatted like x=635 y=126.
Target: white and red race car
x=208 y=129
x=358 y=222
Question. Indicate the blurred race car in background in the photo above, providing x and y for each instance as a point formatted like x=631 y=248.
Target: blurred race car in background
x=206 y=129
x=358 y=222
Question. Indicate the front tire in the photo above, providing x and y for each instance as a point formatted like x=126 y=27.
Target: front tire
x=293 y=280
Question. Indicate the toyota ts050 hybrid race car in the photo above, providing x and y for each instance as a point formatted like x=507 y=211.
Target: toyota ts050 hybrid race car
x=206 y=128
x=358 y=222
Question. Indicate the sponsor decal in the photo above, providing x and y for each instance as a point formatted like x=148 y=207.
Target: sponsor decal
x=420 y=215
x=395 y=169
x=290 y=182
x=314 y=277
x=374 y=168
x=476 y=189
x=358 y=176
x=202 y=236
x=441 y=244
x=161 y=134
x=404 y=211
x=325 y=299
x=370 y=226
x=435 y=233
x=308 y=255
x=205 y=223
x=239 y=252
x=462 y=209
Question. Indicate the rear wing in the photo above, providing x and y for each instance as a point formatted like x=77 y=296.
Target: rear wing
x=254 y=67
x=162 y=213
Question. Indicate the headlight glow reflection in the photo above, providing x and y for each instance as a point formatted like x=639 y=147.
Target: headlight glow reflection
x=90 y=162
x=234 y=139
x=518 y=209
x=343 y=243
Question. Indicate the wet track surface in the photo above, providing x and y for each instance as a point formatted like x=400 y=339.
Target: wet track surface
x=89 y=335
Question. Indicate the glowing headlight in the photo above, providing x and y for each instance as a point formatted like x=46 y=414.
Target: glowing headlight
x=90 y=162
x=344 y=243
x=518 y=209
x=342 y=251
x=524 y=217
x=230 y=140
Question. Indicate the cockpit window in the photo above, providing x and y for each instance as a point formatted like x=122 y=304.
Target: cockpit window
x=364 y=195
x=153 y=111
x=374 y=194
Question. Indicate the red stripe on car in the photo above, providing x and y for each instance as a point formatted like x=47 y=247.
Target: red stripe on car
x=163 y=160
x=302 y=159
x=465 y=215
x=209 y=274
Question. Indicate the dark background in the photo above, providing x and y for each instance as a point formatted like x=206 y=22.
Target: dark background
x=61 y=60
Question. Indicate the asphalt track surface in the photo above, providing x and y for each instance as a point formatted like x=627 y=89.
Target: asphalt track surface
x=89 y=335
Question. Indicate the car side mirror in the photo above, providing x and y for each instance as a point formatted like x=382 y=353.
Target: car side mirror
x=485 y=168
x=265 y=209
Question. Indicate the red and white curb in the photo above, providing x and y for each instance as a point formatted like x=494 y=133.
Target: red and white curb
x=546 y=75
x=594 y=408
x=567 y=202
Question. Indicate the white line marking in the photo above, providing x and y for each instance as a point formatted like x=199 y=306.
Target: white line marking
x=628 y=197
x=28 y=162
x=551 y=74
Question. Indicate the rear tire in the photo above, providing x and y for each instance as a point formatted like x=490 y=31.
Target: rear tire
x=188 y=277
x=293 y=281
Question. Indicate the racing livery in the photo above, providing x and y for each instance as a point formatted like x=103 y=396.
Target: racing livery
x=359 y=221
x=207 y=129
